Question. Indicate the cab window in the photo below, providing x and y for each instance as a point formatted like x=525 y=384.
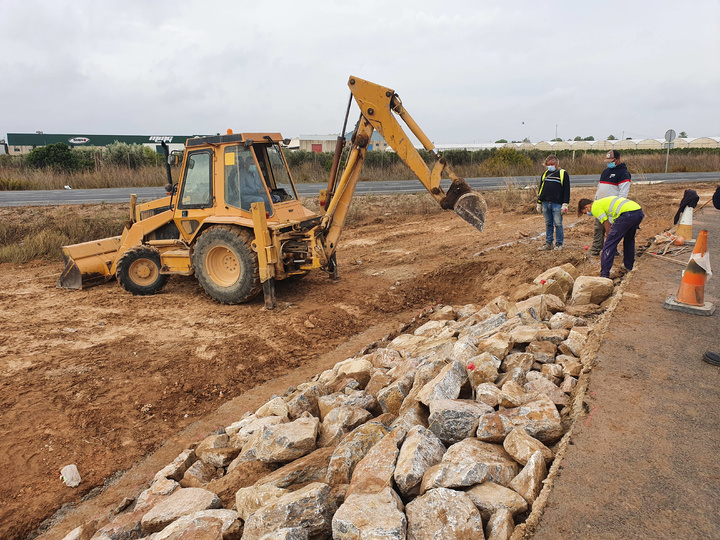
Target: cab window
x=283 y=189
x=244 y=183
x=197 y=184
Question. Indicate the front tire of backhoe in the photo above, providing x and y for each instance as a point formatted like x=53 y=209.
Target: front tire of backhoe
x=226 y=265
x=138 y=271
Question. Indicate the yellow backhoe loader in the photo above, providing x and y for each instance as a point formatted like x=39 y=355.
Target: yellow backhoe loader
x=234 y=218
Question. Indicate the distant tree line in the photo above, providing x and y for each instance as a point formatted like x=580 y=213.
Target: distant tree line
x=62 y=158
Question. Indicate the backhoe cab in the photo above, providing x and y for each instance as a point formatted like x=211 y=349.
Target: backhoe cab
x=234 y=218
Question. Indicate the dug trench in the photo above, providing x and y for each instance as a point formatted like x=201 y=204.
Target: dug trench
x=107 y=381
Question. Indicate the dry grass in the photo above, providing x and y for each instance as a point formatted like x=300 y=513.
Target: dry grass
x=14 y=178
x=33 y=233
x=39 y=232
x=512 y=197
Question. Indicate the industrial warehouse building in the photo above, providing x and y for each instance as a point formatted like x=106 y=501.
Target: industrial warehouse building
x=22 y=143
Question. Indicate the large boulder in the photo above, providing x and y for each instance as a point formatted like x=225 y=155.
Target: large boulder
x=522 y=446
x=375 y=470
x=453 y=420
x=352 y=449
x=182 y=502
x=420 y=450
x=490 y=497
x=386 y=520
x=471 y=462
x=591 y=290
x=310 y=508
x=539 y=417
x=443 y=513
x=283 y=442
x=446 y=385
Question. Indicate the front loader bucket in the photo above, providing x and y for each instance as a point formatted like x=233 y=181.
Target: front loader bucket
x=88 y=264
x=472 y=208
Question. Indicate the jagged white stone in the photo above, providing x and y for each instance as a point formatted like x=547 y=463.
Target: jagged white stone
x=446 y=385
x=490 y=497
x=501 y=525
x=529 y=481
x=521 y=446
x=182 y=502
x=205 y=524
x=471 y=462
x=420 y=450
x=538 y=417
x=378 y=515
x=375 y=471
x=310 y=508
x=591 y=290
x=443 y=513
x=249 y=499
x=453 y=420
x=284 y=442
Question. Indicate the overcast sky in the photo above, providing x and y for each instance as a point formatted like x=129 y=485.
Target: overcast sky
x=468 y=71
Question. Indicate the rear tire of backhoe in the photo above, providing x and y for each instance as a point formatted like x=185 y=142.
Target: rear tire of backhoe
x=226 y=265
x=138 y=271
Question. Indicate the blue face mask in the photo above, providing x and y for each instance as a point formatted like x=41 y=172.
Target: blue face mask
x=611 y=165
x=551 y=168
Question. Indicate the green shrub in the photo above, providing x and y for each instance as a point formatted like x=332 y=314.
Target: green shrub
x=56 y=156
x=131 y=156
x=507 y=162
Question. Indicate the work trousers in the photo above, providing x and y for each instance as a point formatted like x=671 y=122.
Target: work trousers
x=598 y=238
x=624 y=228
x=553 y=222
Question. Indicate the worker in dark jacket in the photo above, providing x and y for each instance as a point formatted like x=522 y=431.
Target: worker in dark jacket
x=615 y=182
x=620 y=217
x=553 y=200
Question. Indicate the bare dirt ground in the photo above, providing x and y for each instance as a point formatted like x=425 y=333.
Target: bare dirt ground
x=101 y=378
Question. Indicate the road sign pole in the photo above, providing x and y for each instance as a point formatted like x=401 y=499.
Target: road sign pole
x=669 y=137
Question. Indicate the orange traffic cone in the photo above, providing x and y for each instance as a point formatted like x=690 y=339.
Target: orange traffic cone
x=684 y=228
x=691 y=295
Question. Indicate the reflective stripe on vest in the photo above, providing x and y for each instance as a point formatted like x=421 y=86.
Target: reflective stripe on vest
x=614 y=212
x=562 y=177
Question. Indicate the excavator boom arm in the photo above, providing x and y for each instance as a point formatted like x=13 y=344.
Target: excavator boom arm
x=380 y=108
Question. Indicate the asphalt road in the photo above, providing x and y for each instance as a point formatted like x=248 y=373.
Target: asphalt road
x=121 y=195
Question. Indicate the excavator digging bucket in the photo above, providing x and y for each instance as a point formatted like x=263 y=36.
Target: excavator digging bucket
x=88 y=264
x=472 y=208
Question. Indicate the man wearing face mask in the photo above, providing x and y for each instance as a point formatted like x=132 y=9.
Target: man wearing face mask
x=614 y=182
x=620 y=217
x=553 y=200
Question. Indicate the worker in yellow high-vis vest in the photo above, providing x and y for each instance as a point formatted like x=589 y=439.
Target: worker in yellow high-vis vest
x=621 y=218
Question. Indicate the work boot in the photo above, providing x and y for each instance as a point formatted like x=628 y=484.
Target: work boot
x=712 y=358
x=594 y=253
x=545 y=247
x=558 y=247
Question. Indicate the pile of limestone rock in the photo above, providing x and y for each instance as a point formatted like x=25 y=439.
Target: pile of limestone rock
x=445 y=432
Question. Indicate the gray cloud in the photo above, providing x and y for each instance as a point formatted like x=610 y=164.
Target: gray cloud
x=466 y=70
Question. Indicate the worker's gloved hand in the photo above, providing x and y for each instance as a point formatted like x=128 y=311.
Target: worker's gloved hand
x=564 y=208
x=538 y=208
